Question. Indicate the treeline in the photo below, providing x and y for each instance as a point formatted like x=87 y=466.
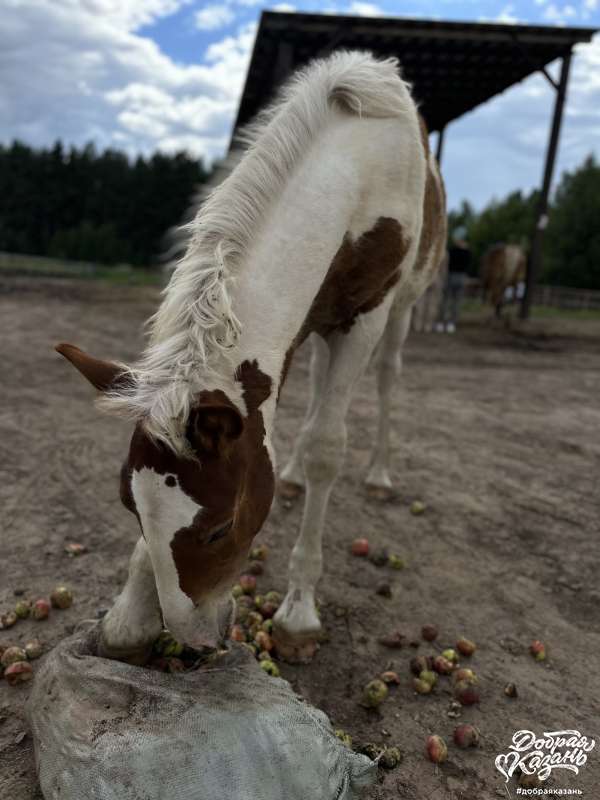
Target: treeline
x=106 y=208
x=571 y=255
x=89 y=206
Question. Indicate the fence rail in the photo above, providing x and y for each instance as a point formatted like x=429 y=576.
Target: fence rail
x=562 y=297
x=552 y=296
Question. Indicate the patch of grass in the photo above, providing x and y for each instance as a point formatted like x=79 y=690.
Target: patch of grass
x=120 y=275
x=471 y=306
x=132 y=277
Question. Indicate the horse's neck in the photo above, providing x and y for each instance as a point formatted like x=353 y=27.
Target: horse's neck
x=289 y=259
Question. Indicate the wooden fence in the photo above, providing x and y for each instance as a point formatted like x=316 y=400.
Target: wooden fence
x=562 y=297
x=552 y=296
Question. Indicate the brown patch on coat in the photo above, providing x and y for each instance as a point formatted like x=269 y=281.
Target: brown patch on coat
x=361 y=274
x=434 y=230
x=424 y=135
x=257 y=385
x=232 y=479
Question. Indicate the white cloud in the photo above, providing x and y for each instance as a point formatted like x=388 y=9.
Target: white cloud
x=507 y=15
x=591 y=5
x=366 y=9
x=559 y=16
x=285 y=7
x=210 y=18
x=233 y=51
x=94 y=78
x=127 y=14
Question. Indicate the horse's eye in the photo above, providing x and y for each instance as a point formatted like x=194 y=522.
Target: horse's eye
x=220 y=533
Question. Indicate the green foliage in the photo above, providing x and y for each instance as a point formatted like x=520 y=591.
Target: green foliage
x=571 y=254
x=463 y=218
x=99 y=244
x=572 y=246
x=90 y=206
x=510 y=220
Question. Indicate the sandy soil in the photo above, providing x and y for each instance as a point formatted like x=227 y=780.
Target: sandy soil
x=497 y=432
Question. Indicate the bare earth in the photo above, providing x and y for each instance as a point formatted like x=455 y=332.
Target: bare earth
x=497 y=432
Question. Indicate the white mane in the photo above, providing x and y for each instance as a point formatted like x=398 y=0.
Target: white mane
x=195 y=327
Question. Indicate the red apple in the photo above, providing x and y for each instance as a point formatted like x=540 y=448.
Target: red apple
x=18 y=672
x=248 y=583
x=538 y=650
x=41 y=609
x=466 y=736
x=437 y=751
x=466 y=693
x=360 y=547
x=466 y=647
x=429 y=633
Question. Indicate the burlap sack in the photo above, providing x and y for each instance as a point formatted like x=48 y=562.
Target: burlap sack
x=104 y=730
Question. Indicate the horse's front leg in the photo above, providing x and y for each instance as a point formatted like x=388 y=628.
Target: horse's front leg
x=297 y=627
x=135 y=620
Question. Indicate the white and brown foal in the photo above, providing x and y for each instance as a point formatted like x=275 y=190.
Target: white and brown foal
x=331 y=224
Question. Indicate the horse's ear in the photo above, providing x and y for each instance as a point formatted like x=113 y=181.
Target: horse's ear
x=103 y=375
x=212 y=426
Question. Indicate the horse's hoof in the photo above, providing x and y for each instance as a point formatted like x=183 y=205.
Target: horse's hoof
x=383 y=494
x=288 y=490
x=299 y=649
x=136 y=656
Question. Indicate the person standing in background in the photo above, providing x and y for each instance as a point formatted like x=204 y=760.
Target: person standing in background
x=459 y=261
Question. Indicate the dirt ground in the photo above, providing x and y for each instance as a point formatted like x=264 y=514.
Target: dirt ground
x=496 y=431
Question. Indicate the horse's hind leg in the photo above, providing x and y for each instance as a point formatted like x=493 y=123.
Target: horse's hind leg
x=291 y=481
x=378 y=481
x=296 y=625
x=135 y=620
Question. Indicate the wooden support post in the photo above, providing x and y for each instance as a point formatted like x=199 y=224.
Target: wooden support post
x=541 y=219
x=440 y=145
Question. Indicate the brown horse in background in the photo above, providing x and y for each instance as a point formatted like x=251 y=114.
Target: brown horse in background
x=503 y=266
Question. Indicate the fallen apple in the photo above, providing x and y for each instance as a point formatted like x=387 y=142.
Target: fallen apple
x=41 y=609
x=61 y=597
x=18 y=672
x=466 y=736
x=360 y=547
x=436 y=748
x=374 y=693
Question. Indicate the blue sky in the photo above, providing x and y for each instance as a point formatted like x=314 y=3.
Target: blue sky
x=146 y=75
